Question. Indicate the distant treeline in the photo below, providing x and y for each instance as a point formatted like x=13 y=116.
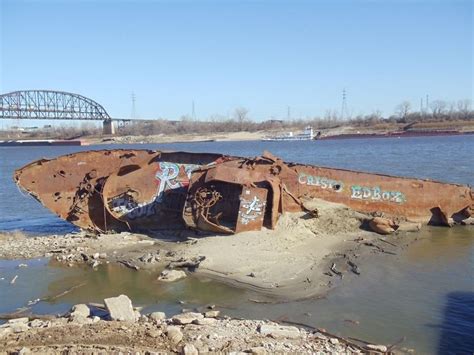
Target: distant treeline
x=439 y=113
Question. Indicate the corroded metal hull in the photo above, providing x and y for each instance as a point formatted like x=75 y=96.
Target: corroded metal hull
x=142 y=189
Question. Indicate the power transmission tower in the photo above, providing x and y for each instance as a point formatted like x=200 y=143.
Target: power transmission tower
x=343 y=104
x=193 y=115
x=288 y=116
x=134 y=109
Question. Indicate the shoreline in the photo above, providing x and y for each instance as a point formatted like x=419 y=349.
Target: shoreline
x=302 y=258
x=117 y=326
x=335 y=243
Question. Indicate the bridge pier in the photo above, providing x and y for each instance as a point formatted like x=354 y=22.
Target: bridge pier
x=108 y=127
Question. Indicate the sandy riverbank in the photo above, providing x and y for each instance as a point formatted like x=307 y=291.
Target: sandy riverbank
x=338 y=130
x=303 y=257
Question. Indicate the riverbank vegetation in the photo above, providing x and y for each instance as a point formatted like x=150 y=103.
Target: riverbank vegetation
x=439 y=115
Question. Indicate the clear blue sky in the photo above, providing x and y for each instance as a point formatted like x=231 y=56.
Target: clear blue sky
x=261 y=55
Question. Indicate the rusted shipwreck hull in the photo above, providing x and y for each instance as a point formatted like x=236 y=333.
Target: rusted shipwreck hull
x=116 y=190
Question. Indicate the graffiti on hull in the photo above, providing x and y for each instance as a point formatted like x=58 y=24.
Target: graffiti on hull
x=320 y=181
x=357 y=192
x=169 y=176
x=376 y=194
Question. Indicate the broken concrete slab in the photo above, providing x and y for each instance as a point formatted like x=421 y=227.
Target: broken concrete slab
x=121 y=308
x=80 y=310
x=171 y=275
x=279 y=331
x=186 y=318
x=174 y=334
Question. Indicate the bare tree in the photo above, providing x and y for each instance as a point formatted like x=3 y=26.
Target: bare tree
x=438 y=107
x=464 y=107
x=403 y=109
x=240 y=115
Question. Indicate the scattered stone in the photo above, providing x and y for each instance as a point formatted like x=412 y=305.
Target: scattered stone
x=334 y=341
x=279 y=331
x=158 y=316
x=24 y=350
x=23 y=320
x=120 y=308
x=174 y=334
x=205 y=321
x=36 y=323
x=381 y=348
x=149 y=258
x=4 y=331
x=186 y=318
x=171 y=275
x=19 y=327
x=153 y=333
x=468 y=221
x=258 y=350
x=190 y=349
x=22 y=265
x=212 y=314
x=80 y=310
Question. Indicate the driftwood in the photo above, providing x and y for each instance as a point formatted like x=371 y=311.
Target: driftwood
x=52 y=298
x=186 y=263
x=354 y=267
x=129 y=264
x=379 y=248
x=386 y=241
x=333 y=269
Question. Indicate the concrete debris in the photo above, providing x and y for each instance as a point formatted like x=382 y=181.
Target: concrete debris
x=22 y=320
x=186 y=318
x=171 y=275
x=380 y=348
x=80 y=310
x=120 y=308
x=174 y=334
x=212 y=314
x=277 y=331
x=190 y=349
x=157 y=316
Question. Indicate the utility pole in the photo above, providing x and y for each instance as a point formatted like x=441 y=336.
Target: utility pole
x=344 y=104
x=193 y=115
x=134 y=110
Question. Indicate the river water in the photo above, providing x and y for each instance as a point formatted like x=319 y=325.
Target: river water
x=425 y=295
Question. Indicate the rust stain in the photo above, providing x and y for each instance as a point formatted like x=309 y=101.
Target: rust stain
x=116 y=190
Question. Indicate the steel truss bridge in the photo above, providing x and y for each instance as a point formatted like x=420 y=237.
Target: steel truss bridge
x=50 y=105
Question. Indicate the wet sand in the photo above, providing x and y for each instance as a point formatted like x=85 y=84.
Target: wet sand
x=303 y=257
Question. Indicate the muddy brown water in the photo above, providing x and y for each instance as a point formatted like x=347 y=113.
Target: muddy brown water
x=425 y=295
